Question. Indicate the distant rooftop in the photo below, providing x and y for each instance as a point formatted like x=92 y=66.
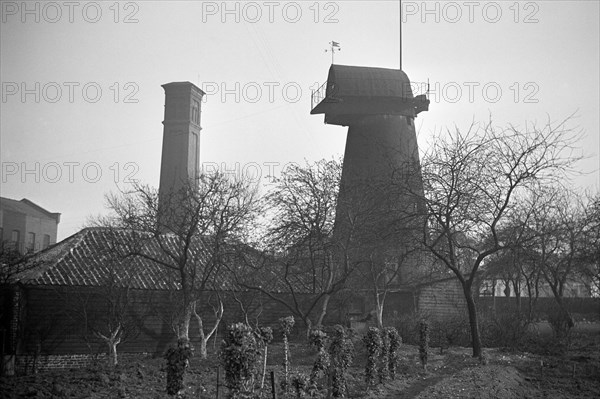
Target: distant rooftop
x=28 y=207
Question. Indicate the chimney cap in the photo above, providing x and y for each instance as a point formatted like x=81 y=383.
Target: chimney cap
x=183 y=86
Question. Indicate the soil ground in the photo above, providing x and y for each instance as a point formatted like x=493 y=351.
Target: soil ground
x=572 y=372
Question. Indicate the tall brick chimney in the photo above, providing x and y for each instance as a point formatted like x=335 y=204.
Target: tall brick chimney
x=180 y=163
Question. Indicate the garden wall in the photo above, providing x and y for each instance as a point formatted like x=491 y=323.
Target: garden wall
x=580 y=308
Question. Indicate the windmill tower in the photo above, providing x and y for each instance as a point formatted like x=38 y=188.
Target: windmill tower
x=381 y=171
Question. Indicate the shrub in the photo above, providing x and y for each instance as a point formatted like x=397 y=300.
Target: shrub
x=239 y=353
x=300 y=384
x=452 y=331
x=408 y=326
x=372 y=340
x=394 y=354
x=384 y=356
x=504 y=330
x=177 y=362
x=341 y=351
x=561 y=322
x=318 y=338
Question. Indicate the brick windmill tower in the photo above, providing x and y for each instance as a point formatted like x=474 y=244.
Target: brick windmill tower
x=381 y=177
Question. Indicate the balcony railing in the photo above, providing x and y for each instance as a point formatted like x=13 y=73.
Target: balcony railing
x=318 y=95
x=420 y=88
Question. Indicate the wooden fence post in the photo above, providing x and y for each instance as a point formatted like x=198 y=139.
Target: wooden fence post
x=218 y=380
x=273 y=385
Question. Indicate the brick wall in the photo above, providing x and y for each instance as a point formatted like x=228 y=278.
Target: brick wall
x=28 y=364
x=48 y=327
x=50 y=337
x=442 y=299
x=580 y=308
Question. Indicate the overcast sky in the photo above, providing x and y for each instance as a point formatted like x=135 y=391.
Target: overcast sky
x=82 y=102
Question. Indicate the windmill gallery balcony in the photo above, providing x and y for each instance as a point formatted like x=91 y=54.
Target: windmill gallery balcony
x=352 y=92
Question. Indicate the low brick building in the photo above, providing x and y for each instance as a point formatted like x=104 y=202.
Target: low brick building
x=48 y=310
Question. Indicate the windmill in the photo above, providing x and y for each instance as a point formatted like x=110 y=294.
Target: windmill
x=378 y=107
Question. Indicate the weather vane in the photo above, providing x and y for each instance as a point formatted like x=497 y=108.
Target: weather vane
x=335 y=46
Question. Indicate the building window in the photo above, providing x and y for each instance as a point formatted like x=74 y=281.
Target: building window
x=46 y=241
x=16 y=236
x=15 y=240
x=30 y=242
x=195 y=112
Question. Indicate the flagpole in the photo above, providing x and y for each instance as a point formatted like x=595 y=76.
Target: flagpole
x=400 y=31
x=333 y=45
x=332 y=53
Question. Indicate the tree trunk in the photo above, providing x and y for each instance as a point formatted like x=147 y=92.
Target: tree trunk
x=494 y=297
x=205 y=337
x=529 y=301
x=112 y=351
x=264 y=370
x=183 y=328
x=323 y=310
x=473 y=322
x=112 y=340
x=379 y=309
x=203 y=344
x=309 y=326
x=563 y=309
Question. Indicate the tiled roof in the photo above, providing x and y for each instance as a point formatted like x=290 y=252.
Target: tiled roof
x=93 y=256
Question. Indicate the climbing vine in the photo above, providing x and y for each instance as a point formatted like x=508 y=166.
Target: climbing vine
x=424 y=342
x=239 y=352
x=318 y=339
x=341 y=351
x=177 y=362
x=372 y=341
x=384 y=356
x=394 y=352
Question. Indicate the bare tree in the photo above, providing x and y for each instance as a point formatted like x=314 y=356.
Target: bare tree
x=191 y=235
x=383 y=274
x=218 y=310
x=13 y=262
x=473 y=181
x=558 y=227
x=105 y=312
x=591 y=251
x=297 y=268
